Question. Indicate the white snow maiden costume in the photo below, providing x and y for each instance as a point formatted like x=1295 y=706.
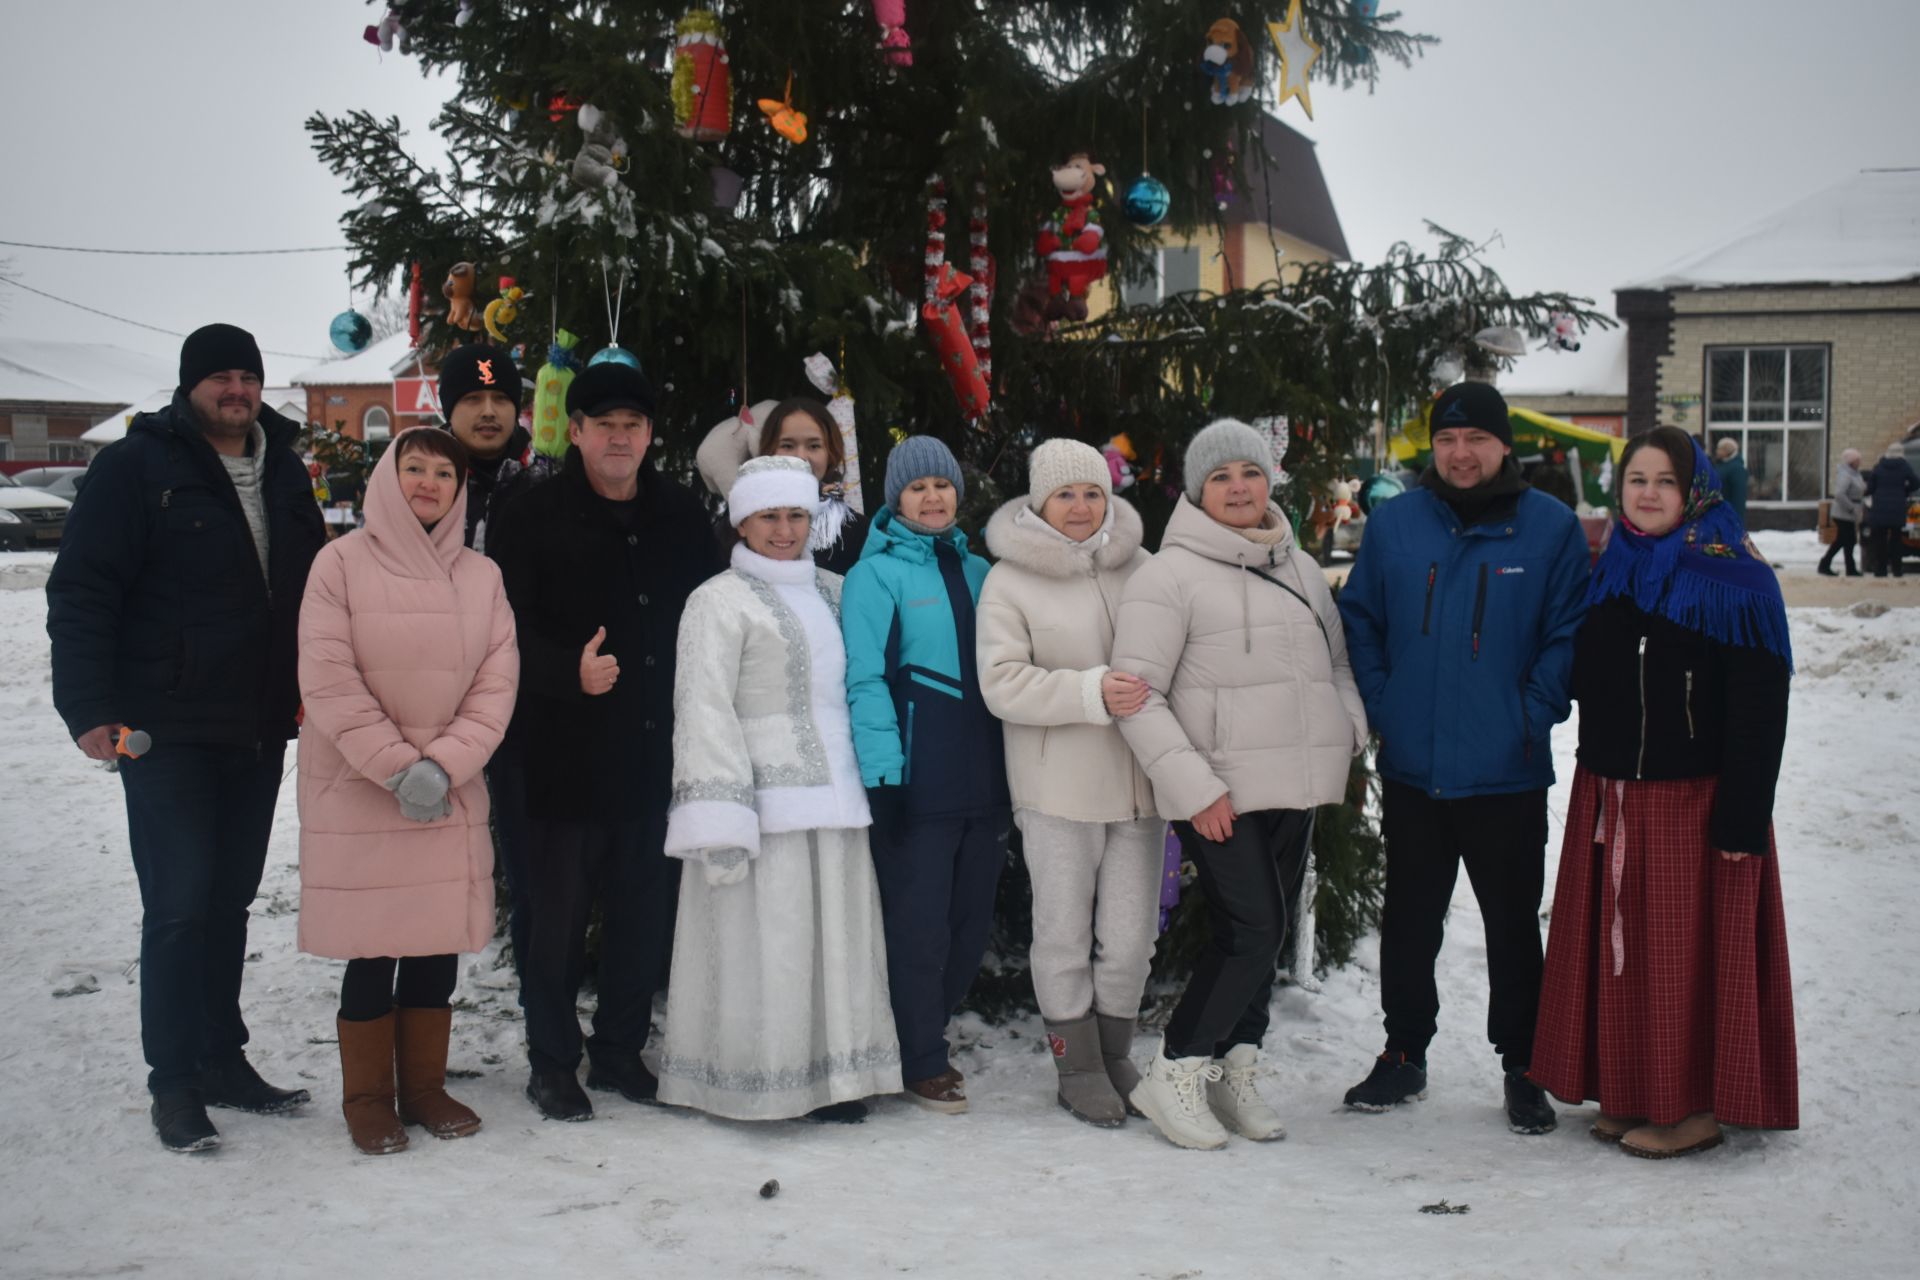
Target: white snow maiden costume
x=777 y=1005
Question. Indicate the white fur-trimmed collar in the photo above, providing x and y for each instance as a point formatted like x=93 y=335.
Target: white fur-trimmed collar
x=779 y=572
x=1018 y=535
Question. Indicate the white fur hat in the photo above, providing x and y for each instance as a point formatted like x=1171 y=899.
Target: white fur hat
x=763 y=484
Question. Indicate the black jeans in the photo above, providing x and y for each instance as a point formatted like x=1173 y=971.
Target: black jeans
x=937 y=880
x=1503 y=841
x=506 y=776
x=1889 y=549
x=197 y=821
x=571 y=865
x=373 y=985
x=1846 y=534
x=1251 y=882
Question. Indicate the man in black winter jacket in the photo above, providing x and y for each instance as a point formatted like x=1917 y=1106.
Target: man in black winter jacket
x=598 y=565
x=172 y=611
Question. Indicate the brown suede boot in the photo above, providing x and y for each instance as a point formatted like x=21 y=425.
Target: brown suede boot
x=366 y=1093
x=420 y=1054
x=1613 y=1128
x=1698 y=1132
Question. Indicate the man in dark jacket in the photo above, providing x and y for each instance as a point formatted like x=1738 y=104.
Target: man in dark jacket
x=598 y=566
x=1460 y=616
x=172 y=610
x=1889 y=485
x=480 y=396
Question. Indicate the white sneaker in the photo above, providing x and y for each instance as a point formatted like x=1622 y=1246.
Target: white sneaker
x=1238 y=1104
x=1174 y=1096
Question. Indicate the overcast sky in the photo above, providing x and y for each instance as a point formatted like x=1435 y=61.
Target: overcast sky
x=1600 y=141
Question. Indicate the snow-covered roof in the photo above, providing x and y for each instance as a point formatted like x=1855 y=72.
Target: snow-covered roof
x=36 y=369
x=373 y=367
x=1599 y=368
x=1865 y=230
x=290 y=402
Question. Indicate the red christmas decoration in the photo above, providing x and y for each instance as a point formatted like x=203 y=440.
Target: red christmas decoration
x=951 y=342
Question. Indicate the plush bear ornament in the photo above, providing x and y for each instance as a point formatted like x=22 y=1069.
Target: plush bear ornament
x=604 y=157
x=457 y=289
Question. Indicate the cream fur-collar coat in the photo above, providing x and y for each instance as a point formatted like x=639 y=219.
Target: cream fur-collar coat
x=1045 y=635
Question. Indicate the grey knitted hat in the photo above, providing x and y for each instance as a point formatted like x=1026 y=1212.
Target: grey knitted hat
x=1062 y=461
x=1220 y=442
x=919 y=456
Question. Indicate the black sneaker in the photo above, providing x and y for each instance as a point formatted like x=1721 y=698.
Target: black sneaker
x=839 y=1113
x=624 y=1074
x=180 y=1118
x=234 y=1084
x=558 y=1095
x=1395 y=1078
x=1528 y=1110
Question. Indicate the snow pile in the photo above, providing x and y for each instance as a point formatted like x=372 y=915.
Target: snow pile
x=86 y=1190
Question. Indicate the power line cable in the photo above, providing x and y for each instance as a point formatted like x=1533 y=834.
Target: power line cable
x=138 y=324
x=176 y=253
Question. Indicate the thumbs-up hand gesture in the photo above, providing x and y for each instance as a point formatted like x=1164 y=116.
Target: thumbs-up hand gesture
x=597 y=671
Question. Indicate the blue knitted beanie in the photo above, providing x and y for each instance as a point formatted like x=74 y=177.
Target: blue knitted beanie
x=919 y=456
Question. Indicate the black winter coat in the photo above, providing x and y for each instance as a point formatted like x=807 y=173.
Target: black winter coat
x=494 y=483
x=1661 y=702
x=1888 y=485
x=159 y=616
x=570 y=567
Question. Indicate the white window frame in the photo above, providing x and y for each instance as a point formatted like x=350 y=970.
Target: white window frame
x=6 y=448
x=67 y=452
x=367 y=427
x=1712 y=428
x=1130 y=298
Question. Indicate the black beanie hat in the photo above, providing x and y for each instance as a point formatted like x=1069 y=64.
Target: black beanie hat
x=1473 y=405
x=477 y=367
x=602 y=388
x=215 y=348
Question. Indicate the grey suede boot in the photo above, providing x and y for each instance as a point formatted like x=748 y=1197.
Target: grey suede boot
x=1084 y=1087
x=1116 y=1048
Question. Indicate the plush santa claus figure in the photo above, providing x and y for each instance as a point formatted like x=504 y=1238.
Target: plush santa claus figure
x=1072 y=239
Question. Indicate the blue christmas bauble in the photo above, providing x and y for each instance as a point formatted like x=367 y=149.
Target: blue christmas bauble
x=350 y=331
x=1146 y=201
x=615 y=355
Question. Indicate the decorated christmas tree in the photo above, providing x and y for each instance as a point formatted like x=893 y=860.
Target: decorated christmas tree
x=723 y=192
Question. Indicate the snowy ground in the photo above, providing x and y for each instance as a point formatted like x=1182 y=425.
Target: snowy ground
x=1014 y=1187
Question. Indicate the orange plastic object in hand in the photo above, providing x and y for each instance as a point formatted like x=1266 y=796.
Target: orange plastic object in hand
x=133 y=743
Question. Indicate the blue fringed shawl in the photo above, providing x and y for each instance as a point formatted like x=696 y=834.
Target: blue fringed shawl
x=1703 y=575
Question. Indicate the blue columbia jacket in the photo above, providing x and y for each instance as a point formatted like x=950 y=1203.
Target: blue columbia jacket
x=1461 y=640
x=919 y=720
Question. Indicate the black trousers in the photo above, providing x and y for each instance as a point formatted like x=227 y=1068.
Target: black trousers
x=1888 y=549
x=373 y=985
x=506 y=776
x=937 y=880
x=570 y=866
x=1251 y=882
x=1503 y=842
x=1847 y=533
x=197 y=821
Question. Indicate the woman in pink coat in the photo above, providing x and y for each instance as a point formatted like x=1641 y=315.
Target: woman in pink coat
x=408 y=671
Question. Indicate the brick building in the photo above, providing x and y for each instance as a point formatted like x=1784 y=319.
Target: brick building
x=1799 y=337
x=52 y=392
x=360 y=395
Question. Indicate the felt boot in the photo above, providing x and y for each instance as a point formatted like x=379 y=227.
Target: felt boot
x=366 y=1085
x=420 y=1056
x=1085 y=1090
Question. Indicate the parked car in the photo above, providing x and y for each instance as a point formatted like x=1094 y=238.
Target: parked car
x=30 y=517
x=61 y=482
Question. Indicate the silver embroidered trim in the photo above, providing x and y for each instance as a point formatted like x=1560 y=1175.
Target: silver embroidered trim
x=813 y=770
x=758 y=1080
x=712 y=789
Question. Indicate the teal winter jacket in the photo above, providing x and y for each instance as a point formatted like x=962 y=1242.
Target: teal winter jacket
x=919 y=720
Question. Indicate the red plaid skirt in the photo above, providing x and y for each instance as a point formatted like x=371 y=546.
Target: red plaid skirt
x=1666 y=989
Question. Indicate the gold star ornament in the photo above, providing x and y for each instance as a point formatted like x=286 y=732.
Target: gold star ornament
x=1297 y=56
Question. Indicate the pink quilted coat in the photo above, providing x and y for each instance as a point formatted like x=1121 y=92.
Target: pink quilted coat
x=406 y=650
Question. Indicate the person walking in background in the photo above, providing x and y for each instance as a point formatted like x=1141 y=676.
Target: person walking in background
x=778 y=1003
x=1461 y=611
x=1849 y=492
x=1094 y=845
x=1732 y=470
x=1889 y=485
x=1251 y=720
x=1667 y=996
x=408 y=670
x=172 y=610
x=930 y=755
x=598 y=564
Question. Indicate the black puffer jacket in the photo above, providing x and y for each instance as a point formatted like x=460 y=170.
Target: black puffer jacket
x=158 y=614
x=570 y=566
x=492 y=483
x=1660 y=702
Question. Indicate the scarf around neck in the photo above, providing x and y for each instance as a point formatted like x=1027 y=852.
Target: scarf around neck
x=1702 y=574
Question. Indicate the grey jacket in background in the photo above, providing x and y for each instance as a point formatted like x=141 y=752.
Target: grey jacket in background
x=1849 y=491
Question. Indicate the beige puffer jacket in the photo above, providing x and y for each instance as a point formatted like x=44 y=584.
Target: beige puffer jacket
x=1044 y=634
x=1250 y=697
